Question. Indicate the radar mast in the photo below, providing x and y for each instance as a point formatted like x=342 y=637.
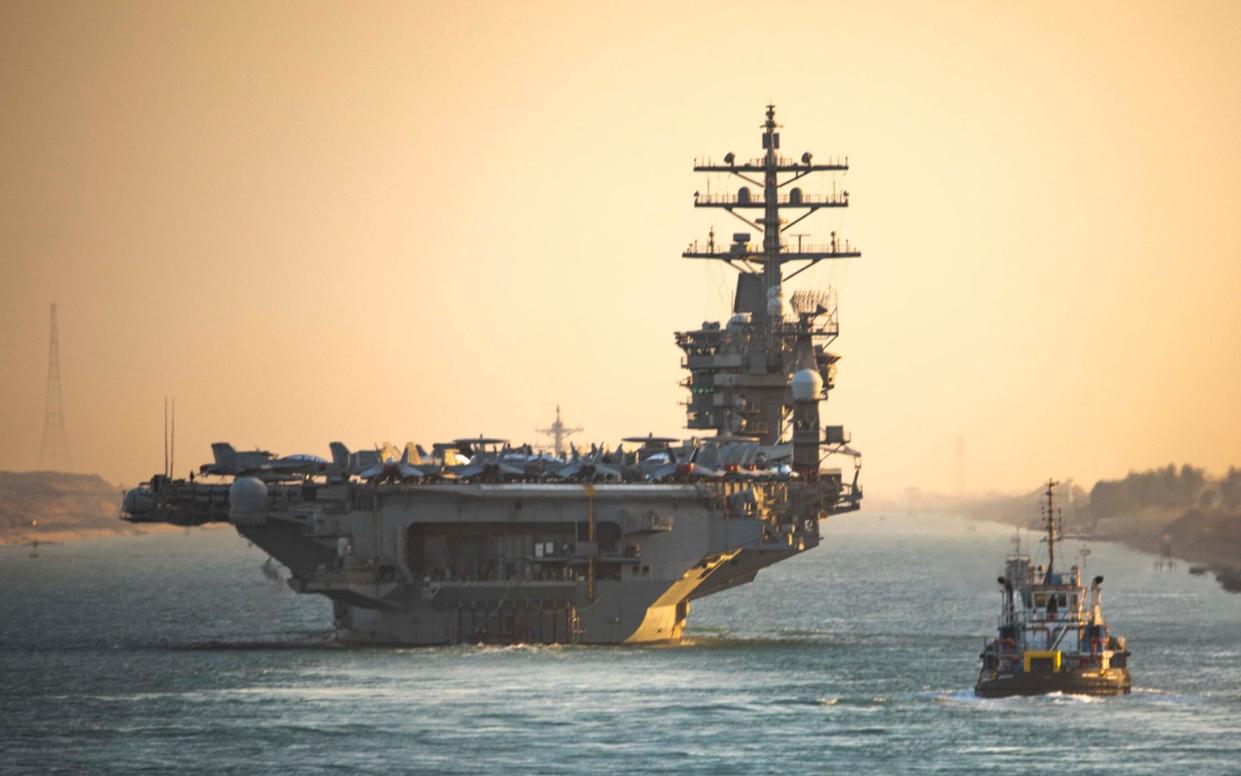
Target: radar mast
x=559 y=432
x=739 y=375
x=768 y=262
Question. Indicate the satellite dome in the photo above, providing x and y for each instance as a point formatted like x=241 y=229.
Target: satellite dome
x=739 y=319
x=247 y=496
x=807 y=385
x=778 y=307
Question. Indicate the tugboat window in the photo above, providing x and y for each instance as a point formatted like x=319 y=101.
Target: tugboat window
x=1040 y=600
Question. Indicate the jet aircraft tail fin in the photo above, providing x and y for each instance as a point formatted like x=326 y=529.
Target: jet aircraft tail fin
x=415 y=455
x=226 y=459
x=340 y=457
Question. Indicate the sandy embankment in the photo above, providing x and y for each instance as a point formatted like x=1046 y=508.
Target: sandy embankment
x=61 y=535
x=1210 y=542
x=56 y=507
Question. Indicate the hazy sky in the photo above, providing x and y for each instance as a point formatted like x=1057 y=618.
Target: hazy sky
x=414 y=221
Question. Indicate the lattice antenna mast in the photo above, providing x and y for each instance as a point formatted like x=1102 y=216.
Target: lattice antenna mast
x=776 y=172
x=55 y=445
x=558 y=431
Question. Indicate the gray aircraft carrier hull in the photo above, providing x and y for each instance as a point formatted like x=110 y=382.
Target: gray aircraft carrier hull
x=428 y=564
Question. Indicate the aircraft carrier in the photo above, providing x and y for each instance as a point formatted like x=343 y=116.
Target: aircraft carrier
x=481 y=541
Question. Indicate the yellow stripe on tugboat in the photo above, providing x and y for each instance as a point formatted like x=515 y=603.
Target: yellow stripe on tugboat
x=1052 y=654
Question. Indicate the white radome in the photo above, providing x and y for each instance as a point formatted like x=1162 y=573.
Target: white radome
x=247 y=495
x=807 y=385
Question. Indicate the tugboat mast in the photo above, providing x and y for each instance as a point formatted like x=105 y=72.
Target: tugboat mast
x=1051 y=518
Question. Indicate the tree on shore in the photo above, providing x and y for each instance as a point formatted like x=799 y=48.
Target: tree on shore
x=1167 y=488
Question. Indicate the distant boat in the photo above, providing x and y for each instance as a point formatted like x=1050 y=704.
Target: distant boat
x=1197 y=571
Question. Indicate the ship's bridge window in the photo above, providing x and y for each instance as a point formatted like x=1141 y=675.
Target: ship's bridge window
x=1053 y=601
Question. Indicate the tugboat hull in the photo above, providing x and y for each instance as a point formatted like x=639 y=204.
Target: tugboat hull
x=1085 y=681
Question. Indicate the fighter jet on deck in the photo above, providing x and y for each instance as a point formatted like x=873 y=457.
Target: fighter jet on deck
x=262 y=464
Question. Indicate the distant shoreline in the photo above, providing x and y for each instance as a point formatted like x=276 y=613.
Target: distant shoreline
x=55 y=507
x=1224 y=566
x=70 y=534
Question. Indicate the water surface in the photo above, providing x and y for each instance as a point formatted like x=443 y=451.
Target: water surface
x=173 y=652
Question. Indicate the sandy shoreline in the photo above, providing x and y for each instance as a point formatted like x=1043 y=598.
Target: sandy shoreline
x=1146 y=536
x=62 y=535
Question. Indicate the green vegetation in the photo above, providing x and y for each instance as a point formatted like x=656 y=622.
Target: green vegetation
x=1166 y=489
x=1183 y=512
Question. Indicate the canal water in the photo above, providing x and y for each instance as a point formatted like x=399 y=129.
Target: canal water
x=173 y=652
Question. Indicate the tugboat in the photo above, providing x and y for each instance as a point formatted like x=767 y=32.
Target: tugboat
x=1049 y=639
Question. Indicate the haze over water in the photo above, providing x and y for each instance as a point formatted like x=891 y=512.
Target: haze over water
x=173 y=652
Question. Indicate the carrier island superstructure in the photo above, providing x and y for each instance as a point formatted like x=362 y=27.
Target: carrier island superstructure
x=480 y=541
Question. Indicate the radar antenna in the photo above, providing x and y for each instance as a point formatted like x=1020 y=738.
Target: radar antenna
x=812 y=302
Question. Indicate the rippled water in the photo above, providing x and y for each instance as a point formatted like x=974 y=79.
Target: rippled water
x=172 y=652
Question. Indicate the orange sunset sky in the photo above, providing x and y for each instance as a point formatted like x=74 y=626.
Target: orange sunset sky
x=371 y=221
